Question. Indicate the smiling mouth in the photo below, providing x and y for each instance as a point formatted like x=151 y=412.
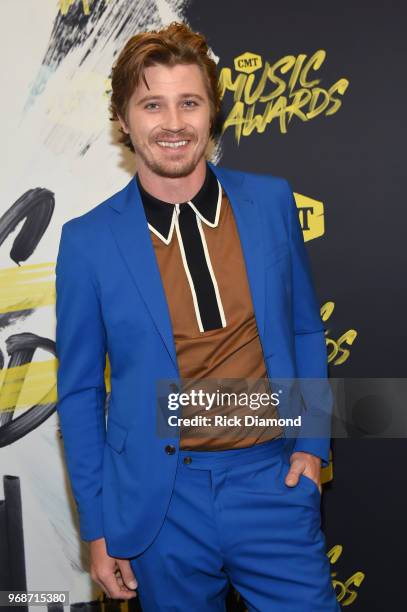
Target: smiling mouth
x=172 y=144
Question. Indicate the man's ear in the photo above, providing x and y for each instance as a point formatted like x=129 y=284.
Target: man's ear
x=123 y=124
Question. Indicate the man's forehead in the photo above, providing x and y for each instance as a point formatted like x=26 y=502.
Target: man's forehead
x=181 y=77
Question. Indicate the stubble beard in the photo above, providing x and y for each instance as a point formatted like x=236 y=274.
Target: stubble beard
x=171 y=169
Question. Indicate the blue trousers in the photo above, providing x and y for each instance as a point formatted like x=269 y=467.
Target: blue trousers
x=232 y=519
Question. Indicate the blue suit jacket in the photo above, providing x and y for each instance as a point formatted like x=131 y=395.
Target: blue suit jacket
x=110 y=298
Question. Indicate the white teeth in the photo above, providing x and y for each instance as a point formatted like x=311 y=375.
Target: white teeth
x=173 y=145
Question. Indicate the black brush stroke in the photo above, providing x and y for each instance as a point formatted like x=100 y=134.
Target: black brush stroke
x=36 y=207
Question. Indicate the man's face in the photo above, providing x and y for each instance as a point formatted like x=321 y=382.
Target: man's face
x=169 y=123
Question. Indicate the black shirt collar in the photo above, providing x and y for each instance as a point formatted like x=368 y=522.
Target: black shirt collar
x=161 y=215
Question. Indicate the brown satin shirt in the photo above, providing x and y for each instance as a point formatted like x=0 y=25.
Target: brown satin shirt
x=231 y=349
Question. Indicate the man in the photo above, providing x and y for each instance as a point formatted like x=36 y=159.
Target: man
x=189 y=272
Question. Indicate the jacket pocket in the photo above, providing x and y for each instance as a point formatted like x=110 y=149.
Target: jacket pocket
x=116 y=435
x=309 y=482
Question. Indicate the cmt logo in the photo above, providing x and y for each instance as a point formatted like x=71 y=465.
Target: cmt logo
x=311 y=215
x=248 y=62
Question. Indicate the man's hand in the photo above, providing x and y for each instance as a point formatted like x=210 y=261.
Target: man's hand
x=307 y=464
x=114 y=576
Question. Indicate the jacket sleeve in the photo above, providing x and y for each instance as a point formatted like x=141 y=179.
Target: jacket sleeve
x=310 y=347
x=81 y=353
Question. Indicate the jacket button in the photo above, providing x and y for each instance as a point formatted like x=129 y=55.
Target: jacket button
x=170 y=449
x=187 y=460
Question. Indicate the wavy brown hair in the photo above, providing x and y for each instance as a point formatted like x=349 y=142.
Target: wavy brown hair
x=175 y=44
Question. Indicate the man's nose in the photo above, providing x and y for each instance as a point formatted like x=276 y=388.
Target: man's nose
x=173 y=120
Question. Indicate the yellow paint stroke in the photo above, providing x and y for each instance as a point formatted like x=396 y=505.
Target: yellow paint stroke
x=33 y=383
x=27 y=287
x=337 y=353
x=344 y=593
x=65 y=5
x=263 y=92
x=75 y=108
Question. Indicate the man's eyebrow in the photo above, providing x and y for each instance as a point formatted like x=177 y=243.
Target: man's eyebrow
x=158 y=97
x=192 y=95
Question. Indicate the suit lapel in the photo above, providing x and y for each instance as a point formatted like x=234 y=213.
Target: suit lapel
x=248 y=221
x=130 y=229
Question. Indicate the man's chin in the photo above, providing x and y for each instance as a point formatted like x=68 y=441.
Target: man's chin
x=175 y=169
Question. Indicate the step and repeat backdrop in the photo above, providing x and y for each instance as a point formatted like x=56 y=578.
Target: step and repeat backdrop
x=313 y=92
